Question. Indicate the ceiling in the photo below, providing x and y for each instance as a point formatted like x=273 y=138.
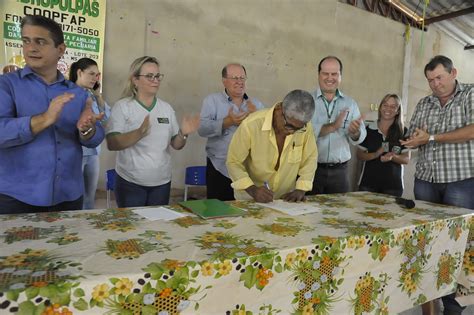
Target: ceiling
x=454 y=17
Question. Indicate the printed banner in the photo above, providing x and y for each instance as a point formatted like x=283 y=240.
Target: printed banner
x=82 y=21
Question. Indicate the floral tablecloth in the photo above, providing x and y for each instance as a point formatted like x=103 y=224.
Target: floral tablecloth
x=361 y=253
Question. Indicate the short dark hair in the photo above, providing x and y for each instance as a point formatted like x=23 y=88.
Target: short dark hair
x=439 y=60
x=224 y=70
x=81 y=64
x=330 y=57
x=54 y=28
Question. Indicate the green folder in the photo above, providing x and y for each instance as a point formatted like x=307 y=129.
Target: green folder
x=212 y=208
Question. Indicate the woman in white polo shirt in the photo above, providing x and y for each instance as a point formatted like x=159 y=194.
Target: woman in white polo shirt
x=142 y=128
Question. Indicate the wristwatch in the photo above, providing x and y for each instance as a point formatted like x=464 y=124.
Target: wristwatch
x=86 y=132
x=431 y=139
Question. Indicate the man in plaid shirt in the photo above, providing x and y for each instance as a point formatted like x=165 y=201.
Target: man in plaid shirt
x=442 y=127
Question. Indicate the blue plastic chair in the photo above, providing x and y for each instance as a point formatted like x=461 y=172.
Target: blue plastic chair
x=195 y=176
x=109 y=183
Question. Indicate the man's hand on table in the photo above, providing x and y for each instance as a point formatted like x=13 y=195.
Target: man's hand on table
x=294 y=196
x=260 y=194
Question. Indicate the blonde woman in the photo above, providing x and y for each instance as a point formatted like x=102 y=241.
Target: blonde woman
x=381 y=151
x=142 y=128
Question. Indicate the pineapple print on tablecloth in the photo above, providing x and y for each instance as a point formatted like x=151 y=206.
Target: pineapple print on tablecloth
x=172 y=304
x=447 y=265
x=369 y=294
x=413 y=243
x=317 y=277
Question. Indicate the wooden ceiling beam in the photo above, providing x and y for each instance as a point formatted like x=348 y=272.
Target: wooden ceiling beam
x=449 y=15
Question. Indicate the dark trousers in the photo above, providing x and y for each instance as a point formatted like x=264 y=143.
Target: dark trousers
x=218 y=186
x=330 y=179
x=129 y=194
x=10 y=205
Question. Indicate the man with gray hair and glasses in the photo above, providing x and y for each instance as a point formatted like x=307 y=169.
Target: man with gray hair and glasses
x=221 y=114
x=273 y=153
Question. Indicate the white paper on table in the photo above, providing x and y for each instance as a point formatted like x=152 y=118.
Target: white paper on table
x=291 y=208
x=159 y=213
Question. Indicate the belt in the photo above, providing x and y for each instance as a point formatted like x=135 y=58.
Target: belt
x=331 y=165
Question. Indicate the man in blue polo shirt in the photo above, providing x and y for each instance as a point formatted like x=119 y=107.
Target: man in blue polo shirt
x=44 y=120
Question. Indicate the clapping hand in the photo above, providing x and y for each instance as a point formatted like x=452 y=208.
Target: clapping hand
x=87 y=120
x=419 y=137
x=190 y=124
x=236 y=119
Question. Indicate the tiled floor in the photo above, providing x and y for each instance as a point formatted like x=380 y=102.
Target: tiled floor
x=177 y=195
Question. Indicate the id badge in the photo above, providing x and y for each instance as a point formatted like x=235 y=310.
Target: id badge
x=163 y=120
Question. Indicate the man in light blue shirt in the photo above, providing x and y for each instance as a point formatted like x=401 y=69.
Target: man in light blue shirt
x=221 y=114
x=44 y=120
x=337 y=123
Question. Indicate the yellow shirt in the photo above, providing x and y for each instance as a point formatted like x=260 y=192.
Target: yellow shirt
x=253 y=154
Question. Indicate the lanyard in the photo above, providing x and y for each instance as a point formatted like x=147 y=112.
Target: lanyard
x=326 y=105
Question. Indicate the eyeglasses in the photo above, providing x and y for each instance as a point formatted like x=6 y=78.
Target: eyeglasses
x=291 y=127
x=151 y=77
x=237 y=78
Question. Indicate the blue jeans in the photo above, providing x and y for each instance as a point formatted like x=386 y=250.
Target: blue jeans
x=460 y=194
x=128 y=194
x=90 y=172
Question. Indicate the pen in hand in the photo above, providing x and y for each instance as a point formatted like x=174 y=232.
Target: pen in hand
x=266 y=185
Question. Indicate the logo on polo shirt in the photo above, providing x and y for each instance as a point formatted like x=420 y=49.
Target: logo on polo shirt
x=163 y=120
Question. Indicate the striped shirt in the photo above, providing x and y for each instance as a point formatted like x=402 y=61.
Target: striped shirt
x=445 y=162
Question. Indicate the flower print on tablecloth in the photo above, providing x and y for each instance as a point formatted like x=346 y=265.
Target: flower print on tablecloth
x=37 y=278
x=113 y=219
x=376 y=213
x=332 y=201
x=65 y=239
x=268 y=309
x=456 y=227
x=224 y=224
x=468 y=260
x=352 y=227
x=226 y=245
x=189 y=221
x=256 y=271
x=20 y=233
x=49 y=216
x=165 y=288
x=431 y=212
x=413 y=244
x=284 y=227
x=374 y=198
x=145 y=296
x=254 y=210
x=317 y=276
x=378 y=244
x=135 y=247
x=370 y=295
